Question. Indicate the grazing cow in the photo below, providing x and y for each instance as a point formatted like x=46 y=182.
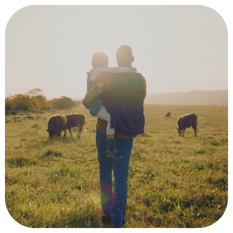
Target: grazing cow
x=76 y=120
x=56 y=124
x=168 y=114
x=186 y=121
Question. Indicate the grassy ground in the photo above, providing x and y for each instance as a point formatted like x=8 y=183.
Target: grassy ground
x=173 y=181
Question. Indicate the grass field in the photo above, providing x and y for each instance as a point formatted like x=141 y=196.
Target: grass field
x=173 y=181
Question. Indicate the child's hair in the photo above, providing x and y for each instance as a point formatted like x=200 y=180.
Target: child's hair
x=99 y=59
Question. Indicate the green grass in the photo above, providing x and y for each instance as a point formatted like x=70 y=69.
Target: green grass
x=173 y=181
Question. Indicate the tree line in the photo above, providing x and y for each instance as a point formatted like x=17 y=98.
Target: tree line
x=36 y=103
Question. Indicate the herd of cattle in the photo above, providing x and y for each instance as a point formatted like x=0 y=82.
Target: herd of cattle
x=58 y=123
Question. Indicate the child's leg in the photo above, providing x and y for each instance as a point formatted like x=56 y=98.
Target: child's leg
x=104 y=115
x=111 y=142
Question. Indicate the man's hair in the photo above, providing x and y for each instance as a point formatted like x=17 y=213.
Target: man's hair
x=124 y=55
x=99 y=59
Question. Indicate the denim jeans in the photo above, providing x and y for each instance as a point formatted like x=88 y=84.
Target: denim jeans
x=114 y=203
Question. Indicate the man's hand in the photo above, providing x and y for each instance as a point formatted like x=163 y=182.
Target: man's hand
x=102 y=84
x=91 y=95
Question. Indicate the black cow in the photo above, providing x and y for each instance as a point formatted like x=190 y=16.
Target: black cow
x=186 y=121
x=56 y=124
x=168 y=114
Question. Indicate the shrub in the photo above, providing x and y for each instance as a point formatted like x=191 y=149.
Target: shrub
x=63 y=103
x=36 y=103
x=21 y=102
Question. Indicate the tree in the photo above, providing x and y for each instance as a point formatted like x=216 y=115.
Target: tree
x=35 y=92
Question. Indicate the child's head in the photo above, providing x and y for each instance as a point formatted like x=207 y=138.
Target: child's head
x=99 y=59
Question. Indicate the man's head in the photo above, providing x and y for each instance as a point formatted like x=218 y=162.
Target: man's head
x=124 y=56
x=99 y=59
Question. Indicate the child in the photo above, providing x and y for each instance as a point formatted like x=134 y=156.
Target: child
x=100 y=65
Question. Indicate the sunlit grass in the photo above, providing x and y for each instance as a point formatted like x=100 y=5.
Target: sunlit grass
x=173 y=181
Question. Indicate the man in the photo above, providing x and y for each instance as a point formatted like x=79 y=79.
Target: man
x=100 y=65
x=123 y=96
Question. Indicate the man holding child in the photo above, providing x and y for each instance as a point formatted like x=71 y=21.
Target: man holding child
x=116 y=96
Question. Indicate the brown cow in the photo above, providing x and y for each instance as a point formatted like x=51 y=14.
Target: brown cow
x=56 y=124
x=186 y=121
x=76 y=120
x=168 y=114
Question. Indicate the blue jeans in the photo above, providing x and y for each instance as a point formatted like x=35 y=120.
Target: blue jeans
x=114 y=203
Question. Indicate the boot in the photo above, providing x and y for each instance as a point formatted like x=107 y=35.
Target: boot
x=111 y=149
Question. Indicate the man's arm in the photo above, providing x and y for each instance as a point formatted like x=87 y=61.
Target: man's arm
x=102 y=84
x=144 y=84
x=90 y=96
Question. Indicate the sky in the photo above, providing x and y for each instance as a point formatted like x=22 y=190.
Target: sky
x=176 y=48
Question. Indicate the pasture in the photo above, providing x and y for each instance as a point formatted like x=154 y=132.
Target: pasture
x=173 y=181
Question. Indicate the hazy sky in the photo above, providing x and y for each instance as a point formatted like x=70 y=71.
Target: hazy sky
x=176 y=48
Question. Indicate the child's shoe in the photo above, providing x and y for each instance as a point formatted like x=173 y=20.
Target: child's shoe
x=111 y=149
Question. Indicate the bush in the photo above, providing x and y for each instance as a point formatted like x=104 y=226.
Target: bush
x=63 y=103
x=18 y=102
x=21 y=102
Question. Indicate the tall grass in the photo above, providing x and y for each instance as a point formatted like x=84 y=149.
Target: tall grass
x=173 y=181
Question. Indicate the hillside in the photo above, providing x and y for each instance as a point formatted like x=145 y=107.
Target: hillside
x=219 y=97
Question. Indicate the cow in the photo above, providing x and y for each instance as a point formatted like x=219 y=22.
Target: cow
x=168 y=114
x=186 y=121
x=56 y=124
x=76 y=120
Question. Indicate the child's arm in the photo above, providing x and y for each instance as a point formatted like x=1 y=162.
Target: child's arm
x=102 y=84
x=90 y=96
